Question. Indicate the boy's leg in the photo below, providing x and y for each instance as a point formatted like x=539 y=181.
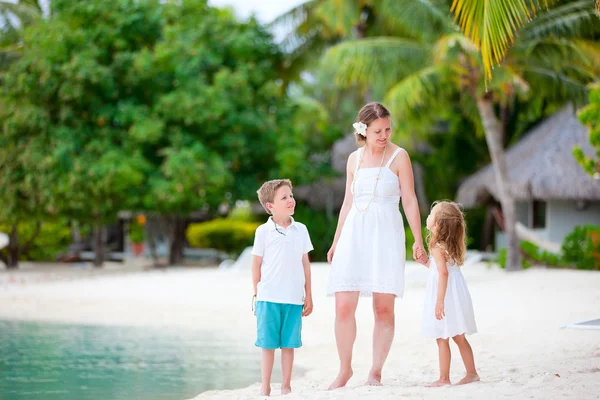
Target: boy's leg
x=287 y=362
x=444 y=354
x=291 y=338
x=266 y=368
x=466 y=352
x=268 y=322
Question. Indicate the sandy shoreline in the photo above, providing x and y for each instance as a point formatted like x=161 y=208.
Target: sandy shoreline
x=521 y=350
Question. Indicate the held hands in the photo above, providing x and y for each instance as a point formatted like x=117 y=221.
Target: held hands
x=439 y=310
x=419 y=254
x=308 y=307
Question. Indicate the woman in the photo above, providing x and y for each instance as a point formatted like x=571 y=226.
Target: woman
x=368 y=251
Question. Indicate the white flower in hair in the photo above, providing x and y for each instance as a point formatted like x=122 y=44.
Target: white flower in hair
x=361 y=128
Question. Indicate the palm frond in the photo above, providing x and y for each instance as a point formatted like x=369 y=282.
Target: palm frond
x=418 y=89
x=340 y=16
x=414 y=15
x=24 y=12
x=446 y=43
x=491 y=25
x=382 y=59
x=592 y=50
x=566 y=20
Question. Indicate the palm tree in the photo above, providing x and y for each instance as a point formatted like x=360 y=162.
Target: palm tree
x=492 y=25
x=546 y=59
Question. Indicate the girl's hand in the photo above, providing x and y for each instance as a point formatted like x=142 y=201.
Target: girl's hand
x=439 y=310
x=330 y=253
x=419 y=254
x=308 y=307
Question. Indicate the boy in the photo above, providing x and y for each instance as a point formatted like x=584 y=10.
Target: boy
x=281 y=280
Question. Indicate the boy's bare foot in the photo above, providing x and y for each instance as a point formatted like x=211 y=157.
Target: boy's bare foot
x=286 y=390
x=468 y=379
x=374 y=379
x=438 y=383
x=265 y=390
x=341 y=380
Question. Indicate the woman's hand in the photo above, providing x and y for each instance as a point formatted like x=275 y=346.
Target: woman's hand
x=330 y=253
x=419 y=254
x=439 y=310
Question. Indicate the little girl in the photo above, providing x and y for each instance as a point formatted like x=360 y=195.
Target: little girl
x=448 y=311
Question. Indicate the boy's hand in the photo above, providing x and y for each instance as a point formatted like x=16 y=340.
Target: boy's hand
x=439 y=311
x=308 y=307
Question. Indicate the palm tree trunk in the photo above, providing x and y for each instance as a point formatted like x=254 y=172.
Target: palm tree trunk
x=493 y=137
x=177 y=241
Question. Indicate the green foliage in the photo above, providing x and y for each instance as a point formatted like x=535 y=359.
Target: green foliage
x=410 y=240
x=53 y=239
x=230 y=236
x=321 y=228
x=137 y=232
x=590 y=117
x=582 y=247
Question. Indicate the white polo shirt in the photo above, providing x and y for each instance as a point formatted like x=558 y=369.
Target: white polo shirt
x=281 y=273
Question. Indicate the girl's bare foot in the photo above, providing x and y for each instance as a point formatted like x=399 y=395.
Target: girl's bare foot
x=468 y=379
x=438 y=383
x=374 y=379
x=341 y=380
x=265 y=390
x=286 y=390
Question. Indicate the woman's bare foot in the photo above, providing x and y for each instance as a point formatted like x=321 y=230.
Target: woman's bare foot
x=286 y=390
x=265 y=390
x=341 y=380
x=439 y=382
x=468 y=379
x=374 y=379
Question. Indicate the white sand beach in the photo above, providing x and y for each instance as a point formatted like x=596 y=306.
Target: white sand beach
x=520 y=351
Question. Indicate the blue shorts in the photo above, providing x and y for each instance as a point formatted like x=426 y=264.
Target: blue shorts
x=278 y=325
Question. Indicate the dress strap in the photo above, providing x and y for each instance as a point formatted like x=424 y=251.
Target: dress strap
x=392 y=157
x=445 y=251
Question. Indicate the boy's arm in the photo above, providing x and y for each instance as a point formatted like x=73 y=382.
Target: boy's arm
x=308 y=304
x=256 y=263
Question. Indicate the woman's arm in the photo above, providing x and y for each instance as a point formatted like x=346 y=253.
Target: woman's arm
x=410 y=204
x=346 y=205
x=440 y=261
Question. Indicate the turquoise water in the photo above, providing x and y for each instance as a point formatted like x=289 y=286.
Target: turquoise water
x=67 y=362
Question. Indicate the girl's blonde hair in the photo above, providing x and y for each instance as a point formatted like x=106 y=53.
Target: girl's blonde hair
x=450 y=230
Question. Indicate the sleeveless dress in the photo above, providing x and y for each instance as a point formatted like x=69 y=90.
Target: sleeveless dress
x=370 y=253
x=458 y=309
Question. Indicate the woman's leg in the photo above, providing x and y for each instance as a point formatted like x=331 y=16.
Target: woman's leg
x=466 y=352
x=383 y=334
x=345 y=334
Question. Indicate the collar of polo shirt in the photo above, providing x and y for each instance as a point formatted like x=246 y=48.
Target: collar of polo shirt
x=272 y=224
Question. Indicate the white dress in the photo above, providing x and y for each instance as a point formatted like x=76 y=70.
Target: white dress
x=458 y=308
x=370 y=253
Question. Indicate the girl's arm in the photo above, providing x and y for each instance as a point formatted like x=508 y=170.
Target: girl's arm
x=256 y=263
x=308 y=304
x=440 y=261
x=410 y=204
x=346 y=205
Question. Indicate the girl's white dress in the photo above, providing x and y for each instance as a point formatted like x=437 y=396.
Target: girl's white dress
x=370 y=253
x=458 y=307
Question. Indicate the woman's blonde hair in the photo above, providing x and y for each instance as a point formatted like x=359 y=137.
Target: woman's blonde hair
x=369 y=113
x=450 y=230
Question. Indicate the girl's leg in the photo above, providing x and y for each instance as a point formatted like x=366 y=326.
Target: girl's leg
x=444 y=354
x=287 y=361
x=466 y=352
x=345 y=334
x=266 y=368
x=383 y=334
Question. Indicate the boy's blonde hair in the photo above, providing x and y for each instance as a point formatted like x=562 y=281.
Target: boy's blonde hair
x=266 y=193
x=450 y=230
